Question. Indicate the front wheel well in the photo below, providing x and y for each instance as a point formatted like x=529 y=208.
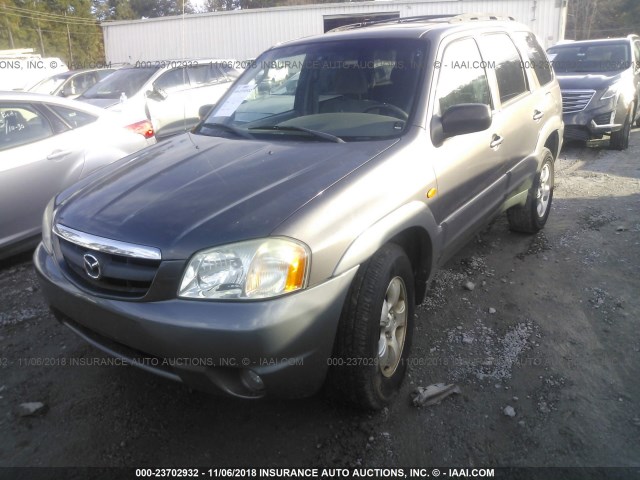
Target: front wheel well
x=417 y=245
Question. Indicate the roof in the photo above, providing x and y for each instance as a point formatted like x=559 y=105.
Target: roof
x=413 y=27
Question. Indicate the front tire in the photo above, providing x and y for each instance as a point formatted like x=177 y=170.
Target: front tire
x=532 y=216
x=375 y=331
x=620 y=140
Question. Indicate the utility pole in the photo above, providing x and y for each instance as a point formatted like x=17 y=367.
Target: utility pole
x=10 y=34
x=6 y=20
x=69 y=40
x=41 y=42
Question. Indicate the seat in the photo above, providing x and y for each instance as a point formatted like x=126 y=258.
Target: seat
x=352 y=85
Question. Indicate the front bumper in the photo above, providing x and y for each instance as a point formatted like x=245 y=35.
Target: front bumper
x=599 y=118
x=209 y=345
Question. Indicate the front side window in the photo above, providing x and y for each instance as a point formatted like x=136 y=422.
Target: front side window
x=175 y=79
x=21 y=124
x=463 y=78
x=333 y=91
x=503 y=56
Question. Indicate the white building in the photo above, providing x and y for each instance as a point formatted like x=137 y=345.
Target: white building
x=242 y=34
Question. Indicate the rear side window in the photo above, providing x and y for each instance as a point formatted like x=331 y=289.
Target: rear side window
x=463 y=78
x=503 y=56
x=537 y=60
x=74 y=118
x=21 y=124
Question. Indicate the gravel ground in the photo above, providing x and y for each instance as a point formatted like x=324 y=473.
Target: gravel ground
x=545 y=349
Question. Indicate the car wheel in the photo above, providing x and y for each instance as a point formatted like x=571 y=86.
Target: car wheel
x=375 y=331
x=620 y=139
x=532 y=216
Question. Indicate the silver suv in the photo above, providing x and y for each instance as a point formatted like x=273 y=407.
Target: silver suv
x=286 y=240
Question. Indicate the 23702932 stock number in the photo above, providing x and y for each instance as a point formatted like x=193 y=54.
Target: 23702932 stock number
x=196 y=472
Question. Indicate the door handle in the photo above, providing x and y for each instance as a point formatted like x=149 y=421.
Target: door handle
x=58 y=154
x=496 y=140
x=537 y=115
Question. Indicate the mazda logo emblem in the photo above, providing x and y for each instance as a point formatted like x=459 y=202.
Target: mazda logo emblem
x=92 y=266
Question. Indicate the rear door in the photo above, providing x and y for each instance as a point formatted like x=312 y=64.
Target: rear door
x=520 y=109
x=39 y=156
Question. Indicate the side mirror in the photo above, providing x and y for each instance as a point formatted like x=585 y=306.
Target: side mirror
x=465 y=118
x=204 y=110
x=157 y=93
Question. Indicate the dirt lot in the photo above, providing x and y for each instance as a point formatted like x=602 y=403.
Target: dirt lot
x=551 y=329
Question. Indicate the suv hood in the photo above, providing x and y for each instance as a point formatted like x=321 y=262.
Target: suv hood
x=589 y=81
x=194 y=192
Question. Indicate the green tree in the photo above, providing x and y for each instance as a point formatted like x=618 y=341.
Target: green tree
x=588 y=19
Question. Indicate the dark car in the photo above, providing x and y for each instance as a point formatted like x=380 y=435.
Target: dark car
x=600 y=83
x=286 y=242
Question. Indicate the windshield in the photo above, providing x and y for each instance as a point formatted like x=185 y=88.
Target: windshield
x=49 y=85
x=127 y=80
x=327 y=91
x=590 y=58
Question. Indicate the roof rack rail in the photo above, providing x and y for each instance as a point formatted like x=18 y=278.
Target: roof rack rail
x=481 y=17
x=450 y=18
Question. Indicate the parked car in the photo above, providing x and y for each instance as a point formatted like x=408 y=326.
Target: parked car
x=263 y=254
x=21 y=68
x=170 y=94
x=71 y=84
x=600 y=82
x=46 y=144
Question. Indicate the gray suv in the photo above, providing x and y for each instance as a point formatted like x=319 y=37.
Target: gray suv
x=287 y=239
x=600 y=83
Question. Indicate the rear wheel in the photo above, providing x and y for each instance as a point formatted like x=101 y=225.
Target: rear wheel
x=532 y=216
x=375 y=330
x=620 y=139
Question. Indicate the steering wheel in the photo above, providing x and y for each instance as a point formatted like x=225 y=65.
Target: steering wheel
x=391 y=108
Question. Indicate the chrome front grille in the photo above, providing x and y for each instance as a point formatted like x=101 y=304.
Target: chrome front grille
x=576 y=100
x=107 y=266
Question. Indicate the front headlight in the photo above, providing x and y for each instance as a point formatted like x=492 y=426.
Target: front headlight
x=612 y=91
x=47 y=225
x=247 y=270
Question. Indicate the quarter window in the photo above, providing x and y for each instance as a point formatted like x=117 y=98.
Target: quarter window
x=504 y=57
x=463 y=78
x=74 y=118
x=536 y=58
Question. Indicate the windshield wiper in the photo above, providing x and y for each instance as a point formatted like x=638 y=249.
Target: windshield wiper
x=316 y=133
x=229 y=128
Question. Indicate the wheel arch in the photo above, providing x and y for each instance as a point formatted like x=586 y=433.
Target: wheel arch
x=553 y=143
x=413 y=228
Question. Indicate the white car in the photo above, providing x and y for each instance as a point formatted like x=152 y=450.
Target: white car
x=46 y=144
x=170 y=94
x=71 y=84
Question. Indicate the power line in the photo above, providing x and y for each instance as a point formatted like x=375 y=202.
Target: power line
x=37 y=12
x=71 y=20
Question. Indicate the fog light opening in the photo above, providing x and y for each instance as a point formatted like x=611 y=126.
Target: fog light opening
x=252 y=380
